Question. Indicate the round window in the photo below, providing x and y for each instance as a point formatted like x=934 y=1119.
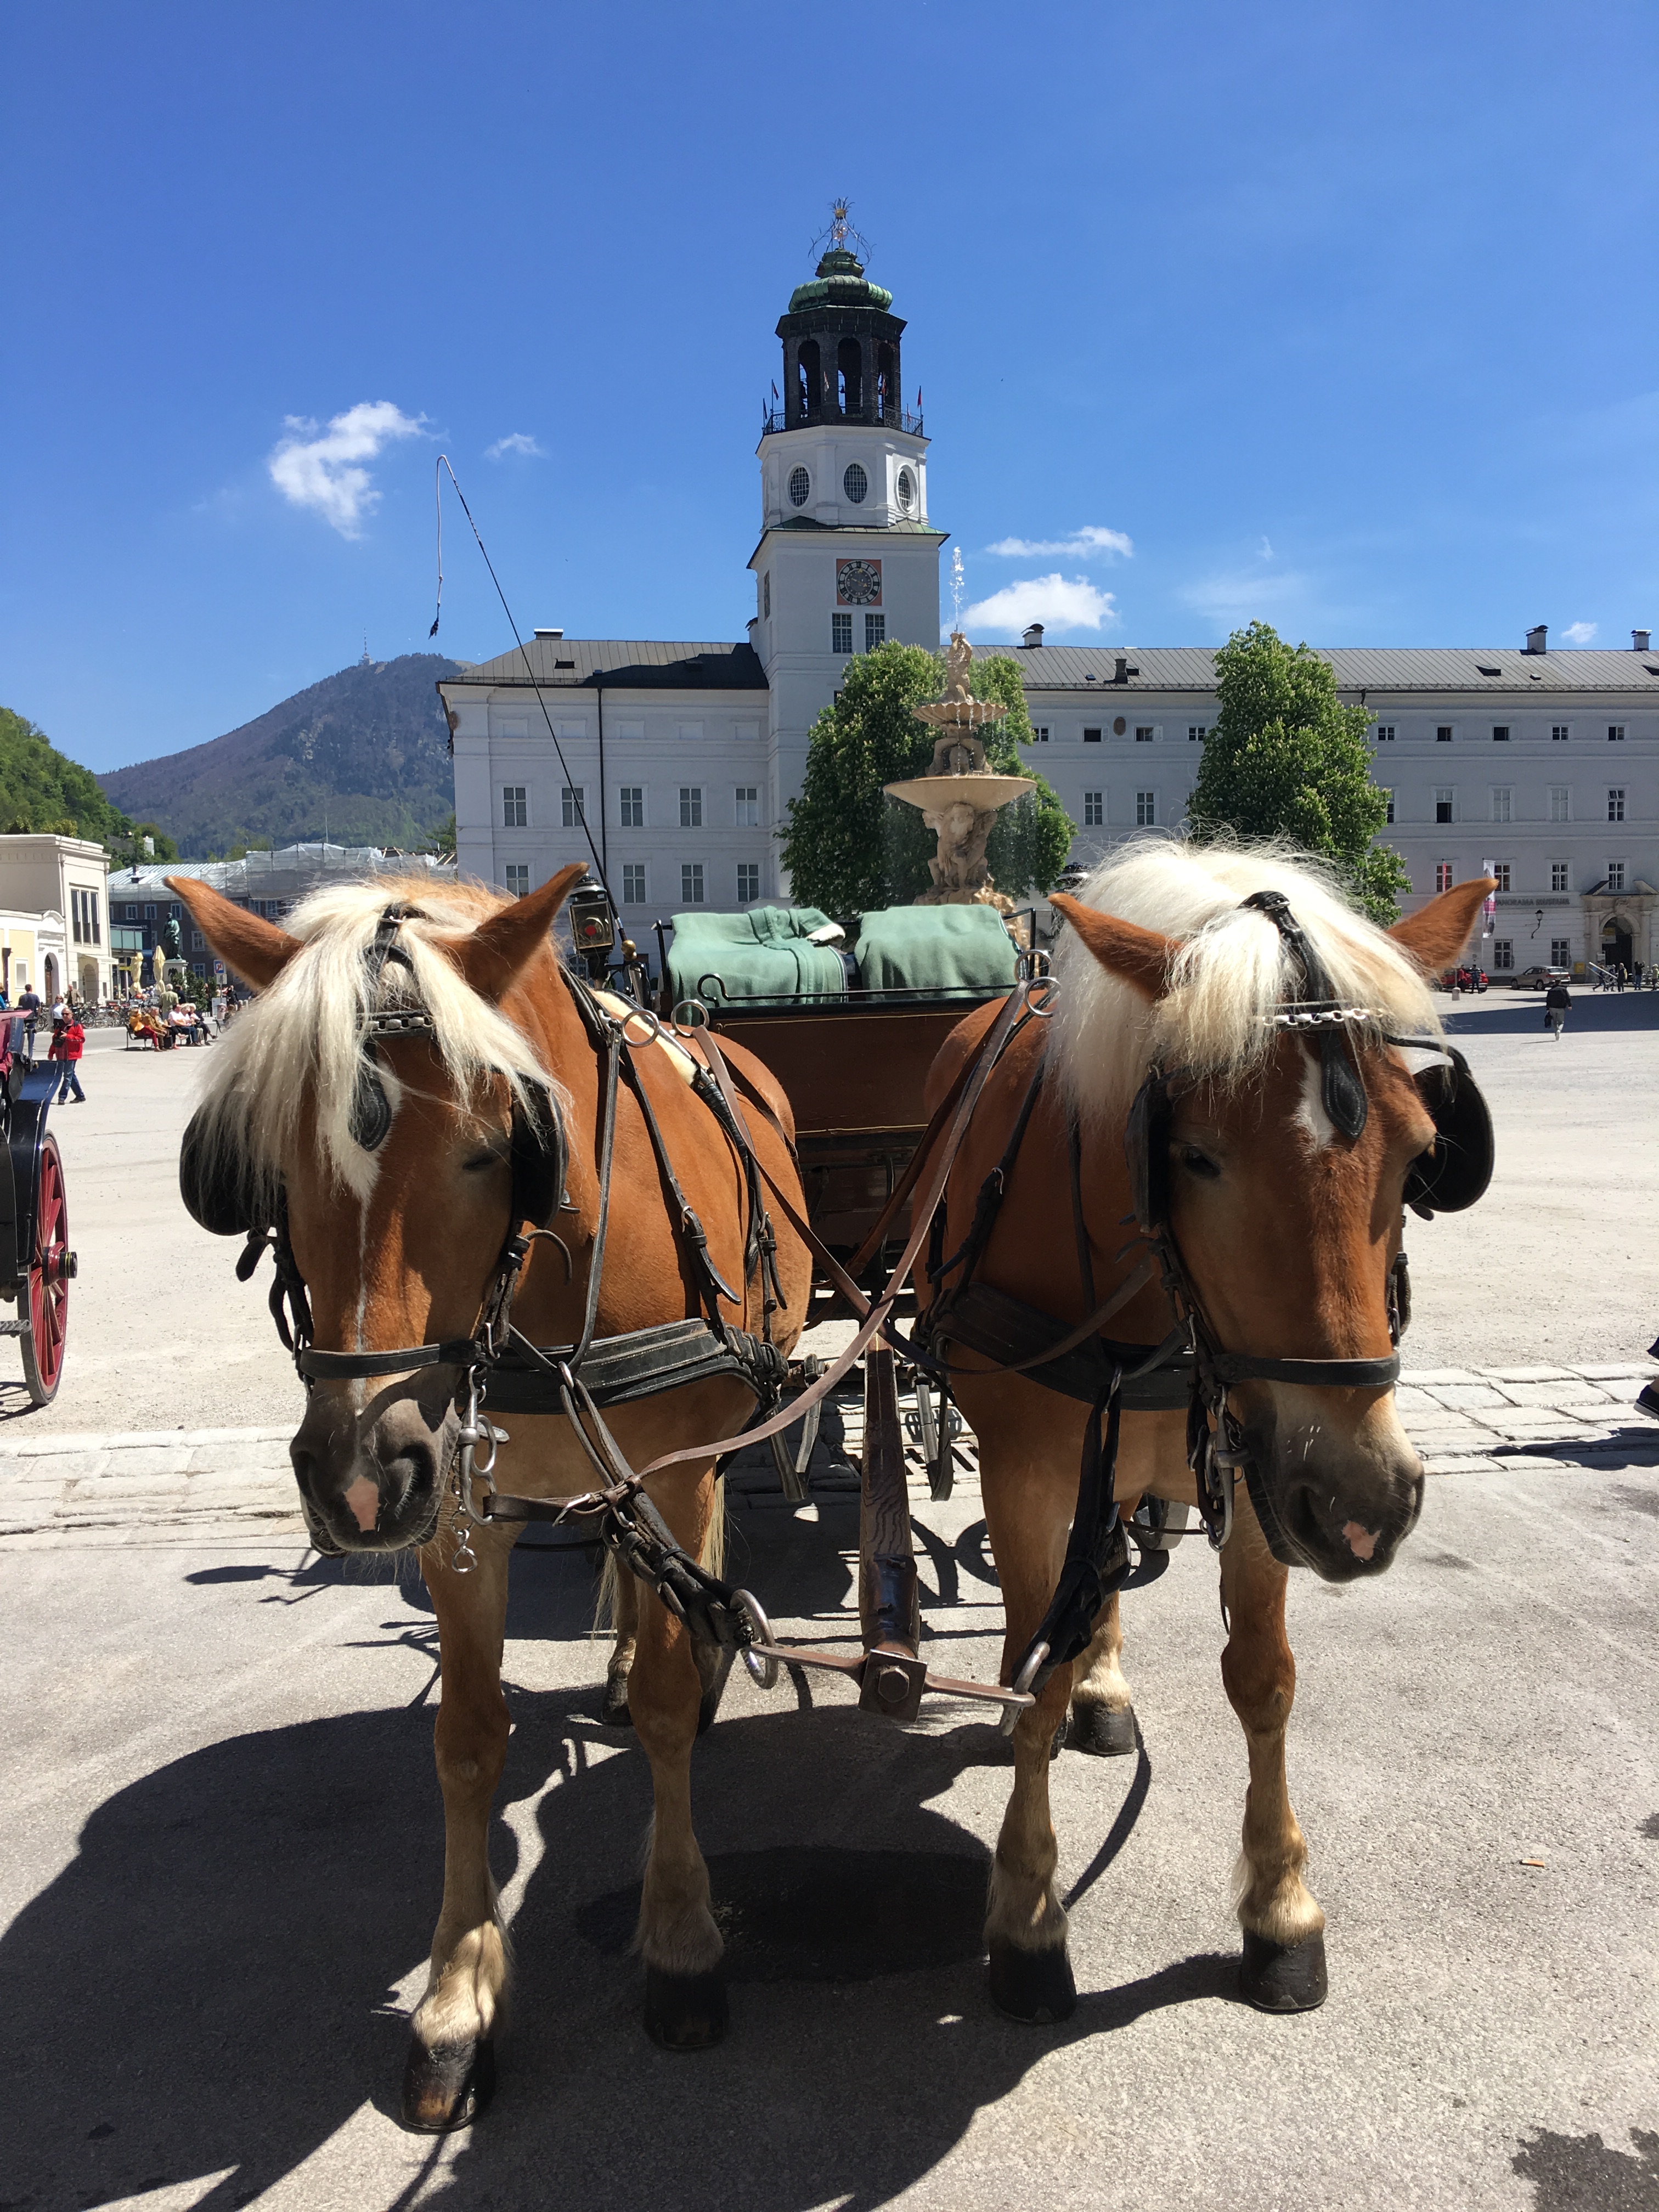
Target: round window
x=800 y=485
x=855 y=483
x=906 y=490
x=1119 y=726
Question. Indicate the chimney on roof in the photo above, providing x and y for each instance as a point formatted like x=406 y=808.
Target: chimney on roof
x=1536 y=638
x=549 y=632
x=1033 y=634
x=1639 y=641
x=1120 y=673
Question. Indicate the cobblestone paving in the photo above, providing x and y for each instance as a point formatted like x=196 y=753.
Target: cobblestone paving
x=158 y=1486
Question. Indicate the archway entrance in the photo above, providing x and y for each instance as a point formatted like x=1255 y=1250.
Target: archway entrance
x=51 y=978
x=87 y=989
x=1618 y=943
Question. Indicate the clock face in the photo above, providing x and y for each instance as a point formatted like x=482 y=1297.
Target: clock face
x=858 y=583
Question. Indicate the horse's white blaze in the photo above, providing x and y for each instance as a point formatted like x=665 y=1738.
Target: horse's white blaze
x=1310 y=1113
x=364 y=1500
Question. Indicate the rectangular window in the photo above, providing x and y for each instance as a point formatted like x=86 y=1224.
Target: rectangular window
x=748 y=881
x=632 y=799
x=149 y=914
x=633 y=883
x=1143 y=734
x=1145 y=809
x=515 y=812
x=133 y=914
x=690 y=806
x=1039 y=734
x=75 y=916
x=1500 y=733
x=518 y=879
x=1443 y=804
x=1500 y=869
x=198 y=942
x=1503 y=953
x=97 y=926
x=1560 y=952
x=1500 y=802
x=1560 y=803
x=1560 y=732
x=1442 y=735
x=746 y=805
x=1616 y=803
x=1197 y=732
x=1560 y=875
x=1094 y=809
x=875 y=631
x=841 y=632
x=1443 y=875
x=690 y=731
x=1384 y=733
x=1091 y=737
x=1389 y=795
x=1615 y=733
x=571 y=806
x=766 y=595
x=691 y=883
x=1615 y=875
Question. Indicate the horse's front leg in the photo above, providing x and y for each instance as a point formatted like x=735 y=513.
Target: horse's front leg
x=451 y=2068
x=624 y=1592
x=1284 y=1964
x=1102 y=1711
x=686 y=2007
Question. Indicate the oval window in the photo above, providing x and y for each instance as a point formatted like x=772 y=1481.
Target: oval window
x=800 y=485
x=906 y=487
x=855 y=484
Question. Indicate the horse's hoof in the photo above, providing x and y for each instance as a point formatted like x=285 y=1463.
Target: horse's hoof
x=613 y=1703
x=684 y=2012
x=1103 y=1731
x=1032 y=1985
x=449 y=2086
x=1283 y=1978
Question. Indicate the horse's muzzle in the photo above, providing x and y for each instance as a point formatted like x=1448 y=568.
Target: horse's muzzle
x=1336 y=1499
x=372 y=1481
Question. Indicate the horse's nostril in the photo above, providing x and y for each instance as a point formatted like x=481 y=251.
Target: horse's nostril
x=414 y=1471
x=305 y=1472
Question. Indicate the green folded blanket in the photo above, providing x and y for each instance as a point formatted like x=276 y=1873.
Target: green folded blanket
x=762 y=955
x=935 y=948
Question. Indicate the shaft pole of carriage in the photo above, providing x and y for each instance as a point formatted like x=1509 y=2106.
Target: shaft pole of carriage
x=889 y=1610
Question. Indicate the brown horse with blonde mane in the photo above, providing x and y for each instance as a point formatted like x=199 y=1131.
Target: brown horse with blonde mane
x=1288 y=1227
x=380 y=1102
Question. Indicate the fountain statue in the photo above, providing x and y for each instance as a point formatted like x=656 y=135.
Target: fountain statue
x=960 y=797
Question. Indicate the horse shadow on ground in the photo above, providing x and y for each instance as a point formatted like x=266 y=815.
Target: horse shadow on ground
x=212 y=1987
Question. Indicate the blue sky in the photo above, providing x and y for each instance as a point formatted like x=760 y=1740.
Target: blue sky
x=1343 y=316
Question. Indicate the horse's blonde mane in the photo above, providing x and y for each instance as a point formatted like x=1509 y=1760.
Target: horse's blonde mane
x=303 y=1037
x=1232 y=969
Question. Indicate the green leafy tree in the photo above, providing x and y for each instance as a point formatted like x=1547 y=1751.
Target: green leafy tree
x=1285 y=758
x=43 y=791
x=849 y=847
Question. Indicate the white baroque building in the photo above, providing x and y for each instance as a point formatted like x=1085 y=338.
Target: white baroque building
x=1541 y=766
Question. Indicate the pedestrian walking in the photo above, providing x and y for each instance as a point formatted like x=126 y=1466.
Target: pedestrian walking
x=28 y=1005
x=1647 y=1398
x=1557 y=1002
x=68 y=1041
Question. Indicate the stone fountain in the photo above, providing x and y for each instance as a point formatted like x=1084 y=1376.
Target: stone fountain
x=959 y=797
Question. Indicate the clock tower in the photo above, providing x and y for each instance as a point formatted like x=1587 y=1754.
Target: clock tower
x=847 y=557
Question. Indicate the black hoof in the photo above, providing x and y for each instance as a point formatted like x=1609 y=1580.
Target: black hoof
x=1280 y=1977
x=1103 y=1731
x=684 y=2012
x=448 y=2087
x=1032 y=1985
x=613 y=1703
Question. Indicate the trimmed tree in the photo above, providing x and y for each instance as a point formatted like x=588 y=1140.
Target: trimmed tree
x=849 y=847
x=1285 y=758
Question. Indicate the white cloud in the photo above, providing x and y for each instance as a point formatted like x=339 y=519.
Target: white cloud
x=1079 y=545
x=1058 y=602
x=520 y=444
x=1579 y=632
x=323 y=470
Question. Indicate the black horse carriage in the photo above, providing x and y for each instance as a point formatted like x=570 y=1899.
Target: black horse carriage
x=36 y=1264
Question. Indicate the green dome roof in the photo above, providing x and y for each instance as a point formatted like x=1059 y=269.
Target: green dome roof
x=840 y=282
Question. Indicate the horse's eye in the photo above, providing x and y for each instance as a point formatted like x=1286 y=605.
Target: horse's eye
x=481 y=1161
x=1199 y=1163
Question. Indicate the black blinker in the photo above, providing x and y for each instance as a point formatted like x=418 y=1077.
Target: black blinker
x=1343 y=1092
x=371 y=1109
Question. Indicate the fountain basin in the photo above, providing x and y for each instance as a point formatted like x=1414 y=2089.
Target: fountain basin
x=980 y=790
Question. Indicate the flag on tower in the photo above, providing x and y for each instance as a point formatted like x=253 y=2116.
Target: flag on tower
x=775 y=389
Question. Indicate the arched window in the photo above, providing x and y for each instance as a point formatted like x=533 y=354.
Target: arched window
x=849 y=366
x=810 y=381
x=855 y=484
x=887 y=396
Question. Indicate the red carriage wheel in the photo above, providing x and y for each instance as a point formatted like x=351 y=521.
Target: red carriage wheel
x=49 y=1273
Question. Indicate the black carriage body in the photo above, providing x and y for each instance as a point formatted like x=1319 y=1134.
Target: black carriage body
x=29 y=1091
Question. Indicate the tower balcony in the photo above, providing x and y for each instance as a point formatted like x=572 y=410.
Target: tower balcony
x=777 y=419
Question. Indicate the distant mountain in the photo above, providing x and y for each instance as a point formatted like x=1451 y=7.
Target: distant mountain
x=367 y=748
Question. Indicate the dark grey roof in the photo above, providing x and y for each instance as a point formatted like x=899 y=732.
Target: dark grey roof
x=1392 y=669
x=624 y=664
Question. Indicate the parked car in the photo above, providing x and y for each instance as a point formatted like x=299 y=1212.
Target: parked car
x=1538 y=979
x=1467 y=978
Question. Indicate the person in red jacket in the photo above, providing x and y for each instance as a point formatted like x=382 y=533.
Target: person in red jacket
x=68 y=1041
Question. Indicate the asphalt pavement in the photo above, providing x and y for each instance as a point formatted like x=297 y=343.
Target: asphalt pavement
x=223 y=1850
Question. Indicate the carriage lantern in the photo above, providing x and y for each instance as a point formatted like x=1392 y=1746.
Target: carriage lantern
x=592 y=925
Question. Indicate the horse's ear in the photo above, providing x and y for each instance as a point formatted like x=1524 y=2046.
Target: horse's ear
x=258 y=950
x=1437 y=933
x=497 y=949
x=1140 y=957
